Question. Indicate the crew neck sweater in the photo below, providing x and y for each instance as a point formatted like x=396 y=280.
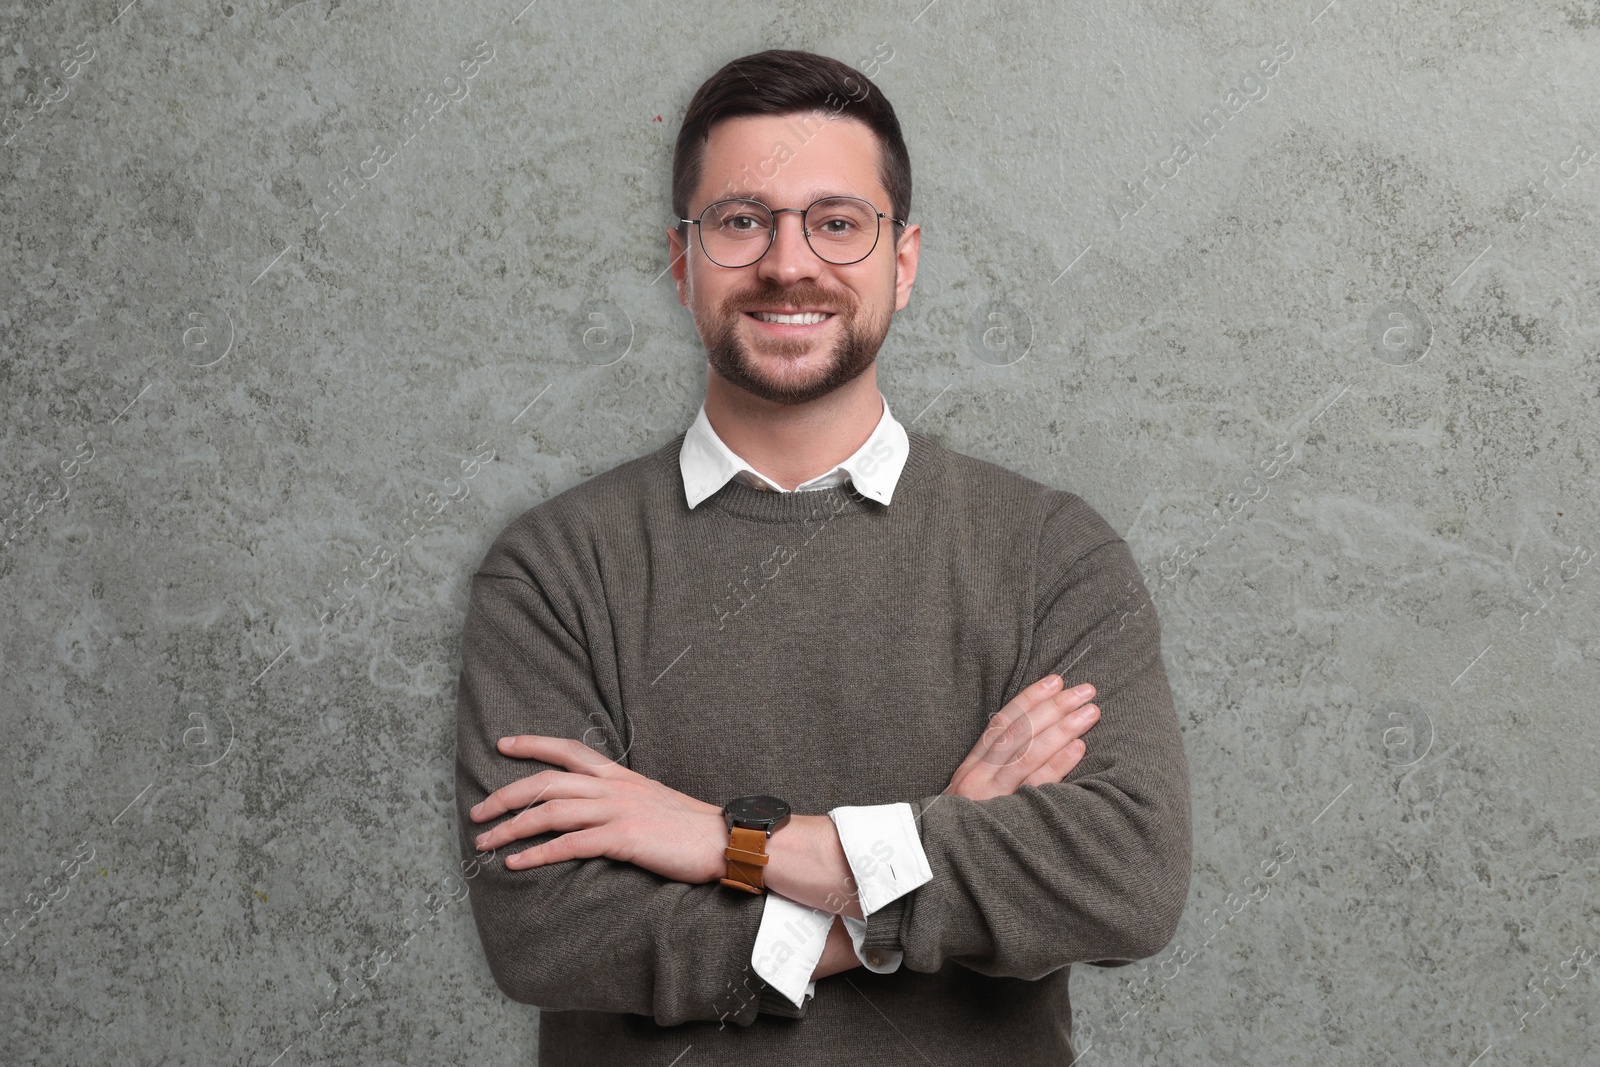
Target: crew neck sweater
x=868 y=662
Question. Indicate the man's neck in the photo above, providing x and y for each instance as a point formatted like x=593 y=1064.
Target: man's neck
x=793 y=444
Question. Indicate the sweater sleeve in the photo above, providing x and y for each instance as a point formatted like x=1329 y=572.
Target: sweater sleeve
x=595 y=934
x=1091 y=869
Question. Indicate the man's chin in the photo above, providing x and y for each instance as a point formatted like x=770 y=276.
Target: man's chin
x=779 y=378
x=756 y=349
x=793 y=386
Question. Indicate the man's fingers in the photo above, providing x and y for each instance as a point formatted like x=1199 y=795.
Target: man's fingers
x=1047 y=745
x=1069 y=725
x=564 y=815
x=1057 y=766
x=996 y=731
x=1024 y=731
x=543 y=786
x=1004 y=746
x=563 y=751
x=1043 y=704
x=578 y=845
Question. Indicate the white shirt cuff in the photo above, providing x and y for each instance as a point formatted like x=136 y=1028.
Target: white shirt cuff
x=788 y=946
x=884 y=851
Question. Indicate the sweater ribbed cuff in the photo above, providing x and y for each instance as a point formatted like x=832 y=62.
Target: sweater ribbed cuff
x=772 y=1002
x=883 y=925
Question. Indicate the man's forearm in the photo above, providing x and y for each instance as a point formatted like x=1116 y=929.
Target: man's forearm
x=838 y=953
x=807 y=864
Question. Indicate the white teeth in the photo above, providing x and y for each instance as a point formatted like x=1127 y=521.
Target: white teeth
x=808 y=319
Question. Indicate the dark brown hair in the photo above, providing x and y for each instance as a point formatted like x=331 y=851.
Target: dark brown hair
x=782 y=82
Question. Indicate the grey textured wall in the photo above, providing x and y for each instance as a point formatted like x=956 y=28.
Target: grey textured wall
x=277 y=322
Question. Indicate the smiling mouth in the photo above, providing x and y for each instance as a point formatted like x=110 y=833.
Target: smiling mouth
x=788 y=322
x=796 y=325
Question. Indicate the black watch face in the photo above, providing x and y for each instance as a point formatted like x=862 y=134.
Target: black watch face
x=756 y=812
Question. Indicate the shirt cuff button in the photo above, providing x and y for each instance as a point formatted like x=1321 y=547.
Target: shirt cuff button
x=875 y=958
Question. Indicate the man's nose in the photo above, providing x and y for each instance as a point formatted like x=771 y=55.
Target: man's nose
x=790 y=256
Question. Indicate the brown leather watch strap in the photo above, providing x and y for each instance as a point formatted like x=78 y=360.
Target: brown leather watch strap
x=747 y=855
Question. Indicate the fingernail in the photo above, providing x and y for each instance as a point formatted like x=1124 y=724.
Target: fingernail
x=1052 y=682
x=1085 y=713
x=1084 y=690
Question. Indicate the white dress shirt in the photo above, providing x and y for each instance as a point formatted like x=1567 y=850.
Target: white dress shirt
x=880 y=841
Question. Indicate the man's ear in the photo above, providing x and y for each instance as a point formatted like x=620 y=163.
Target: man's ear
x=676 y=249
x=907 y=252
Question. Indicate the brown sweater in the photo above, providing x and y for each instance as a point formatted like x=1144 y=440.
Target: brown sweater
x=876 y=641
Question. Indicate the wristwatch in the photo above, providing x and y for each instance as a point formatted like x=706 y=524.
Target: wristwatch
x=751 y=820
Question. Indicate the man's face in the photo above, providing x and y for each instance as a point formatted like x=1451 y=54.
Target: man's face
x=790 y=161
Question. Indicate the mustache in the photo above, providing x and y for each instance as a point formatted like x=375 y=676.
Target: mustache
x=815 y=299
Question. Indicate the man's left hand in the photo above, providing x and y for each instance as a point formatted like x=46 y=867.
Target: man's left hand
x=605 y=809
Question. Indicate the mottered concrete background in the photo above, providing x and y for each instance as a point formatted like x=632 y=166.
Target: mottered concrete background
x=1302 y=296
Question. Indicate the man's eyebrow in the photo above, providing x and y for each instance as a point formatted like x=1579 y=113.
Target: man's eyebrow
x=810 y=196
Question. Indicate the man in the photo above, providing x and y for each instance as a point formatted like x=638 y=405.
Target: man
x=731 y=701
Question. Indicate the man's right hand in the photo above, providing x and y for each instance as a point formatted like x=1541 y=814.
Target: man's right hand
x=1033 y=740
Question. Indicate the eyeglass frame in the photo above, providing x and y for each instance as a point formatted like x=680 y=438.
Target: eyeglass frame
x=772 y=234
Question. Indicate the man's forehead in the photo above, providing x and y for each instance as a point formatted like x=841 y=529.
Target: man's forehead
x=819 y=192
x=752 y=172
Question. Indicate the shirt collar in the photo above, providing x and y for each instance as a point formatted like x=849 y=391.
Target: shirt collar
x=707 y=464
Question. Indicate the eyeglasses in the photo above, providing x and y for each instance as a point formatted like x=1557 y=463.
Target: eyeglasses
x=839 y=229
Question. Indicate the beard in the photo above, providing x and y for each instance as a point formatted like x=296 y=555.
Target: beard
x=853 y=350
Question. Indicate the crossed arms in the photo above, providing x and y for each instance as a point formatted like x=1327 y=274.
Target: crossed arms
x=608 y=810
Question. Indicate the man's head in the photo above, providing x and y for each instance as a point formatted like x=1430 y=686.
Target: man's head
x=788 y=128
